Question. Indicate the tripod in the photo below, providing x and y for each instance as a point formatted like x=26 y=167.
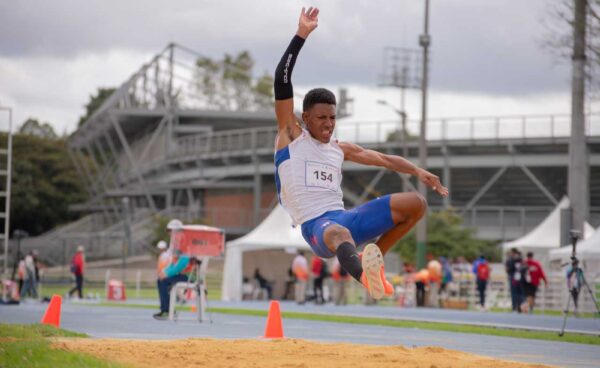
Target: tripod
x=576 y=274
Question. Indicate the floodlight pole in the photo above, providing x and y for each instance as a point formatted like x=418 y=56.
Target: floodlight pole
x=424 y=42
x=578 y=150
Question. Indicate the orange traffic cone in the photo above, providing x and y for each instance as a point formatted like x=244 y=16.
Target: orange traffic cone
x=52 y=315
x=193 y=307
x=274 y=329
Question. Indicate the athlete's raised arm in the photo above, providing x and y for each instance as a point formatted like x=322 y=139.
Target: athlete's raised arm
x=287 y=123
x=355 y=153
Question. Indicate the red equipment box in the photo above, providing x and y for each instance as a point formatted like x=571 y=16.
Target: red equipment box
x=199 y=240
x=116 y=290
x=11 y=289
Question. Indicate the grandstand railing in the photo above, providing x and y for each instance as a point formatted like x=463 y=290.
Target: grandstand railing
x=521 y=127
x=497 y=128
x=226 y=141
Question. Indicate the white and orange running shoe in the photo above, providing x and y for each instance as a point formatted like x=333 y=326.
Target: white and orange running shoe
x=373 y=277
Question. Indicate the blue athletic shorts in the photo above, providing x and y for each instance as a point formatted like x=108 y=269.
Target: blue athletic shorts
x=365 y=222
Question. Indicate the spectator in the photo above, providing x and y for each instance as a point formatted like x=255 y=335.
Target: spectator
x=462 y=265
x=463 y=270
x=446 y=277
x=173 y=226
x=319 y=272
x=21 y=271
x=37 y=264
x=175 y=272
x=435 y=278
x=340 y=278
x=77 y=268
x=536 y=274
x=290 y=281
x=164 y=257
x=421 y=280
x=264 y=283
x=510 y=267
x=481 y=269
x=518 y=279
x=247 y=289
x=29 y=285
x=409 y=268
x=446 y=273
x=300 y=269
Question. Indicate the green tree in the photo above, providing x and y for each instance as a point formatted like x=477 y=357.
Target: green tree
x=44 y=184
x=33 y=126
x=396 y=136
x=95 y=102
x=207 y=79
x=229 y=84
x=263 y=91
x=237 y=74
x=446 y=236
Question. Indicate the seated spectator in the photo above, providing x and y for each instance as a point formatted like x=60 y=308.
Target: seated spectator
x=264 y=283
x=300 y=269
x=290 y=281
x=175 y=272
x=247 y=289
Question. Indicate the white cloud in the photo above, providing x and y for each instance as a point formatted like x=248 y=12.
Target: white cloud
x=53 y=55
x=444 y=104
x=55 y=89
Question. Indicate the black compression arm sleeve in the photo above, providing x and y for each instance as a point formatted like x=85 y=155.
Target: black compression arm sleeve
x=283 y=73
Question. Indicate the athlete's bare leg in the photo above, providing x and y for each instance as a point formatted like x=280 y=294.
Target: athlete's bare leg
x=367 y=270
x=407 y=210
x=335 y=235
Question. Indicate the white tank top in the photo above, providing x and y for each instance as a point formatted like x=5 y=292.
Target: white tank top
x=308 y=176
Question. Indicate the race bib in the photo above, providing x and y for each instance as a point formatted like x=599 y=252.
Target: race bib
x=321 y=176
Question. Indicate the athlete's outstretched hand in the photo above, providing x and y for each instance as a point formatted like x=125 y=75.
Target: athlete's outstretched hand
x=309 y=20
x=432 y=181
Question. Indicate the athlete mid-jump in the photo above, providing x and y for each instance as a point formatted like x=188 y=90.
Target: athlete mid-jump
x=308 y=175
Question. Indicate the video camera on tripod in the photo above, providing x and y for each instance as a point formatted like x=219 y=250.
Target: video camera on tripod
x=575 y=273
x=575 y=236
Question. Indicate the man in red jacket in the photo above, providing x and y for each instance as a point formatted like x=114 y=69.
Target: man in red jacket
x=77 y=265
x=536 y=273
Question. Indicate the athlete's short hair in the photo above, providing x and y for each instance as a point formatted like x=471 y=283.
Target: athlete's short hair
x=318 y=95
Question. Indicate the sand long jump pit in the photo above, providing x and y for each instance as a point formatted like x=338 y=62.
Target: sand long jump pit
x=262 y=353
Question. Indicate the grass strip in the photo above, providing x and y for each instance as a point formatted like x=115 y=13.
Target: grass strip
x=37 y=330
x=28 y=346
x=434 y=326
x=37 y=352
x=547 y=312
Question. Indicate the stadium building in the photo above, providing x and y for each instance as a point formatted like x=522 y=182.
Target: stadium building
x=159 y=147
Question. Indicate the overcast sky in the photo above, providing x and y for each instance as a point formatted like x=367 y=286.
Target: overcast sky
x=486 y=54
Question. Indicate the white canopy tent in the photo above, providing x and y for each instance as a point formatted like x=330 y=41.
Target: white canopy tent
x=588 y=252
x=270 y=247
x=545 y=237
